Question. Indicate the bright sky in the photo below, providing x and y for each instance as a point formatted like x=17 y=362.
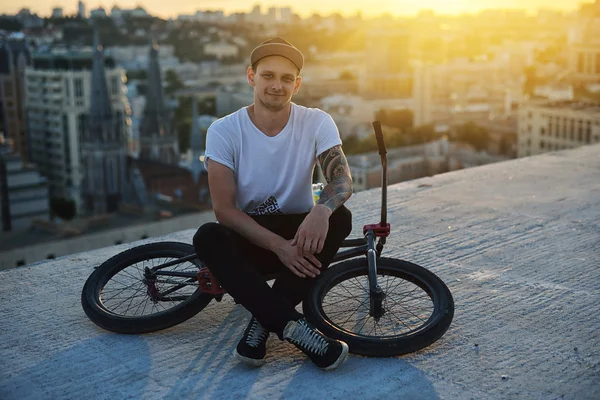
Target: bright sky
x=171 y=8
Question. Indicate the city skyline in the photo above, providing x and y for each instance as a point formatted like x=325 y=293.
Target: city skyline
x=306 y=8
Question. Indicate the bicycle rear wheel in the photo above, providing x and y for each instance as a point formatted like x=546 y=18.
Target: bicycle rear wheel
x=116 y=296
x=418 y=307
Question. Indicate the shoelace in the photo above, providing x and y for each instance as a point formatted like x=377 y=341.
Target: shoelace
x=256 y=334
x=309 y=339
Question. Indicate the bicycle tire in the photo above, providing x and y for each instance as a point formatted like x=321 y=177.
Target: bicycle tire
x=424 y=333
x=98 y=312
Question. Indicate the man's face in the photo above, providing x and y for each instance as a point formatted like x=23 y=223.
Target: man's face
x=275 y=80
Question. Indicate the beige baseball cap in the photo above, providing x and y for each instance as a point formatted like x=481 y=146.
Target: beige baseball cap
x=277 y=47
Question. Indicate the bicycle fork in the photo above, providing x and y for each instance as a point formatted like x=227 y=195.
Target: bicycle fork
x=376 y=294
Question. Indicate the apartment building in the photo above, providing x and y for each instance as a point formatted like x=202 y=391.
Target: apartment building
x=413 y=162
x=14 y=58
x=547 y=126
x=23 y=192
x=584 y=46
x=464 y=90
x=58 y=88
x=387 y=70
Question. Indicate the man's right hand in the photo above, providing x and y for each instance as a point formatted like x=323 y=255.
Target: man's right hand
x=303 y=266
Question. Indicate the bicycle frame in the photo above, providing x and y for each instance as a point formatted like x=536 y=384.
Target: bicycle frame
x=361 y=246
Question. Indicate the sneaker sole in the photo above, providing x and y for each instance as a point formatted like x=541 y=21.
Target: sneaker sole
x=340 y=359
x=249 y=361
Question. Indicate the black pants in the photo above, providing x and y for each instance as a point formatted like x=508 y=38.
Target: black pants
x=238 y=265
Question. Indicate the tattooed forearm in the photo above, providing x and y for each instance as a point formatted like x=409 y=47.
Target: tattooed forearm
x=339 y=181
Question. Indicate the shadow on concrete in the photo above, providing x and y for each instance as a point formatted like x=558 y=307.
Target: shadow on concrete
x=94 y=368
x=361 y=378
x=213 y=364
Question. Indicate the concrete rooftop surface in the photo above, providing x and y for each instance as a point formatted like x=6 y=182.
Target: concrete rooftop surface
x=517 y=242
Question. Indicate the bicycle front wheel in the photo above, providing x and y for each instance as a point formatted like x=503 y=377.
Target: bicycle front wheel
x=118 y=297
x=418 y=307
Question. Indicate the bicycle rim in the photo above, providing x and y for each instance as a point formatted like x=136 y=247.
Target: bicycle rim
x=125 y=293
x=409 y=305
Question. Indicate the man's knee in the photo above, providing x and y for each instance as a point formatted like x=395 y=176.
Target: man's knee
x=341 y=222
x=207 y=236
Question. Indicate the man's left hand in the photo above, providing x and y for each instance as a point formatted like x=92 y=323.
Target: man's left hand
x=311 y=234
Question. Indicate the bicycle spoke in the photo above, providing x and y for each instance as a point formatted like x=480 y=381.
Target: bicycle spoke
x=126 y=293
x=410 y=312
x=406 y=306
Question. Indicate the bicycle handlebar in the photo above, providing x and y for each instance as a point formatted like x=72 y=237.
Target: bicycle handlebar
x=379 y=137
x=382 y=154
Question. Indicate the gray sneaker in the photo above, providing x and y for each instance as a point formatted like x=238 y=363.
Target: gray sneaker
x=326 y=353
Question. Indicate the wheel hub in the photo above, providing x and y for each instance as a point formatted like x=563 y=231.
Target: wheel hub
x=150 y=282
x=376 y=309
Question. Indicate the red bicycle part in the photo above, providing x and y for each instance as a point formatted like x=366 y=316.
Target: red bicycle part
x=208 y=283
x=378 y=229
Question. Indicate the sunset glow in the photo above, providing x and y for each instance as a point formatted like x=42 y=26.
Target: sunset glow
x=303 y=7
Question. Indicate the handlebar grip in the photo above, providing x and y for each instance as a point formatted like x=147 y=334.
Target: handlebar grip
x=379 y=137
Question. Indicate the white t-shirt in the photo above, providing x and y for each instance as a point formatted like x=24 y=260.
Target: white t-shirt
x=273 y=174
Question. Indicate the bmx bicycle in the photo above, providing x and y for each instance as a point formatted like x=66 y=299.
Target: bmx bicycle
x=379 y=306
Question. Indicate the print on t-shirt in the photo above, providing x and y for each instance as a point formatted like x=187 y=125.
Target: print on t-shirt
x=270 y=206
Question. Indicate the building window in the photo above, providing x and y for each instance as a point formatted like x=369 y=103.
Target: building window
x=581 y=62
x=543 y=131
x=112 y=176
x=114 y=86
x=542 y=144
x=67 y=90
x=78 y=88
x=119 y=124
x=8 y=88
x=81 y=126
x=572 y=129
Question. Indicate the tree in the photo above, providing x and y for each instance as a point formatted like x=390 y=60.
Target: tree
x=62 y=208
x=140 y=74
x=346 y=75
x=173 y=82
x=473 y=134
x=400 y=119
x=10 y=24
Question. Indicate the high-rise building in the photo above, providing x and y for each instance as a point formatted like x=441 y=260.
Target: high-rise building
x=422 y=95
x=230 y=98
x=158 y=139
x=584 y=46
x=197 y=141
x=103 y=145
x=81 y=9
x=463 y=90
x=57 y=12
x=546 y=126
x=286 y=15
x=23 y=192
x=58 y=99
x=15 y=56
x=387 y=69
